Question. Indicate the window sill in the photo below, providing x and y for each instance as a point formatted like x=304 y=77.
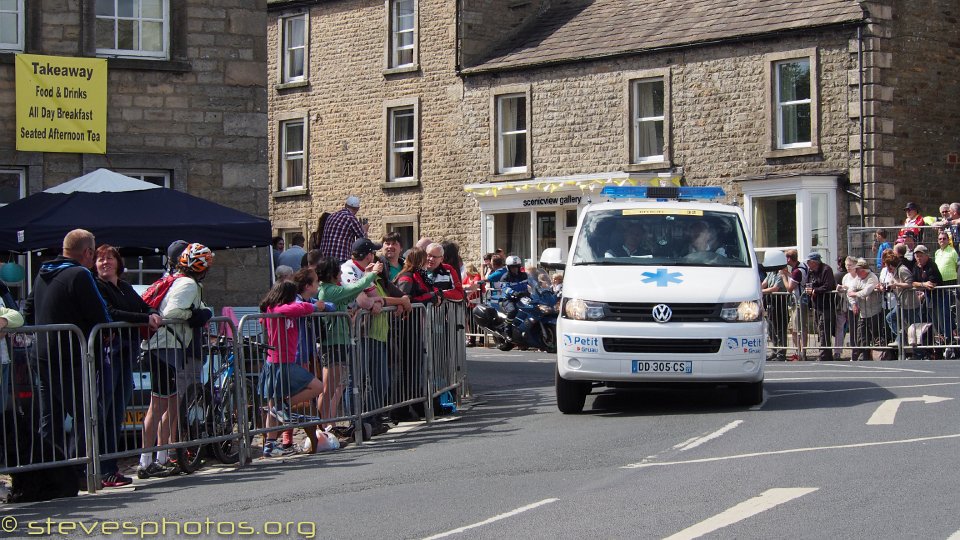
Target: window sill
x=291 y=193
x=148 y=64
x=510 y=177
x=412 y=68
x=398 y=184
x=648 y=166
x=292 y=84
x=792 y=152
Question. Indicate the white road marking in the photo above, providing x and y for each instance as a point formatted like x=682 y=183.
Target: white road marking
x=886 y=413
x=808 y=392
x=493 y=519
x=642 y=465
x=954 y=536
x=697 y=441
x=761 y=503
x=861 y=377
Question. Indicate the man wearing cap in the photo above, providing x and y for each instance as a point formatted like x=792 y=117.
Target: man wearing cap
x=820 y=288
x=341 y=230
x=913 y=222
x=868 y=305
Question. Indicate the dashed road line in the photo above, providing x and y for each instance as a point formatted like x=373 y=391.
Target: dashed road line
x=697 y=441
x=493 y=519
x=761 y=503
x=645 y=464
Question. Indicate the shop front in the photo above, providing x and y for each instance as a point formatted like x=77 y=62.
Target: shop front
x=524 y=218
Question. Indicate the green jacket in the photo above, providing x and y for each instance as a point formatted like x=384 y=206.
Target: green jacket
x=341 y=296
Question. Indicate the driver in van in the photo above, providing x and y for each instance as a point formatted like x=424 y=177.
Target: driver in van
x=633 y=234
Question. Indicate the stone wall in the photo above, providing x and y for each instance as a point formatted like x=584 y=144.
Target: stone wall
x=345 y=102
x=915 y=50
x=201 y=114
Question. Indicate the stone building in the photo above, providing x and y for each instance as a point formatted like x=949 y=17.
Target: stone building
x=186 y=107
x=492 y=123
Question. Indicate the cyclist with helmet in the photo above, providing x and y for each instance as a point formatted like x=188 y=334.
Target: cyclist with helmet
x=166 y=351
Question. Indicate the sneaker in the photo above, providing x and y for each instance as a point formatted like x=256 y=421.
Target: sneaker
x=271 y=451
x=290 y=449
x=174 y=467
x=116 y=480
x=153 y=470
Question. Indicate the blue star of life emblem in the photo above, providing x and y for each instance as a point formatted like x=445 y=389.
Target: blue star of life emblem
x=662 y=277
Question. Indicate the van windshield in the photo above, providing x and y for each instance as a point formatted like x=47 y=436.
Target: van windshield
x=662 y=237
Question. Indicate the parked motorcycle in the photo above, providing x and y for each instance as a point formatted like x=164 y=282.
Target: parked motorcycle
x=525 y=316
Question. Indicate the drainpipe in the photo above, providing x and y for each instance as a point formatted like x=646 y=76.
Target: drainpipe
x=863 y=205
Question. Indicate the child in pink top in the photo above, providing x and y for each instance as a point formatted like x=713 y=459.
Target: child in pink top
x=283 y=382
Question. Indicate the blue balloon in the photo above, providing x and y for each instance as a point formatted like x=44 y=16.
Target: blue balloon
x=12 y=273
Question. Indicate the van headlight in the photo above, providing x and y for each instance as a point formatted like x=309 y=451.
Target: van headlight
x=746 y=311
x=583 y=310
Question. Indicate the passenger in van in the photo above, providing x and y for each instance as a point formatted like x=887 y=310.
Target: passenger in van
x=703 y=242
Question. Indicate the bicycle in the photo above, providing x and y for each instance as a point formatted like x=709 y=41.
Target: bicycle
x=212 y=409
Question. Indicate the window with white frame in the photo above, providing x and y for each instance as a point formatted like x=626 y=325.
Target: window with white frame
x=403 y=32
x=511 y=133
x=294 y=46
x=132 y=28
x=648 y=99
x=794 y=212
x=292 y=154
x=11 y=25
x=13 y=185
x=794 y=103
x=153 y=176
x=403 y=144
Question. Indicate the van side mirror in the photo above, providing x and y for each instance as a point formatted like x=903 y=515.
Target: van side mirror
x=773 y=260
x=550 y=259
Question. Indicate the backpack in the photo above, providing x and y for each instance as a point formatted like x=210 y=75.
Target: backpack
x=155 y=294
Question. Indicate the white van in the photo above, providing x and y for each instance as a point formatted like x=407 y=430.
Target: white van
x=660 y=288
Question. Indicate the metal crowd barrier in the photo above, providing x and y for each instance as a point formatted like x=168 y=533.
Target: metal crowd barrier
x=64 y=386
x=912 y=324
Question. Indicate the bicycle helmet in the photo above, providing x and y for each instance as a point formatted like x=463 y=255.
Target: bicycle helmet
x=196 y=258
x=513 y=260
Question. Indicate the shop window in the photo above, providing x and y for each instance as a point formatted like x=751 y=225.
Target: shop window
x=132 y=28
x=775 y=221
x=11 y=25
x=510 y=232
x=293 y=44
x=546 y=231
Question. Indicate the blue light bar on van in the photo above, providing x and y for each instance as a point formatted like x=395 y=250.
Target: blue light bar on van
x=663 y=193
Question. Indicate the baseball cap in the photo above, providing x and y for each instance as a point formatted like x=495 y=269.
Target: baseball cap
x=814 y=257
x=364 y=246
x=911 y=206
x=353 y=201
x=862 y=263
x=921 y=249
x=175 y=249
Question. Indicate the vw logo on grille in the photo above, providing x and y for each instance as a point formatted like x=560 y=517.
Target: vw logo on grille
x=662 y=313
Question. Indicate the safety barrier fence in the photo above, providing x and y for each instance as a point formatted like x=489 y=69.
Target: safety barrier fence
x=886 y=323
x=62 y=386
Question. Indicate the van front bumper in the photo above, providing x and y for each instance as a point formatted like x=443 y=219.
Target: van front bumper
x=651 y=352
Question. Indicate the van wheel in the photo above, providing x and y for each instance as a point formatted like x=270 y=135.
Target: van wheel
x=571 y=395
x=750 y=394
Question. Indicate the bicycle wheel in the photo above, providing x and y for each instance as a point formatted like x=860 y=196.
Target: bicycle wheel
x=194 y=425
x=226 y=421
